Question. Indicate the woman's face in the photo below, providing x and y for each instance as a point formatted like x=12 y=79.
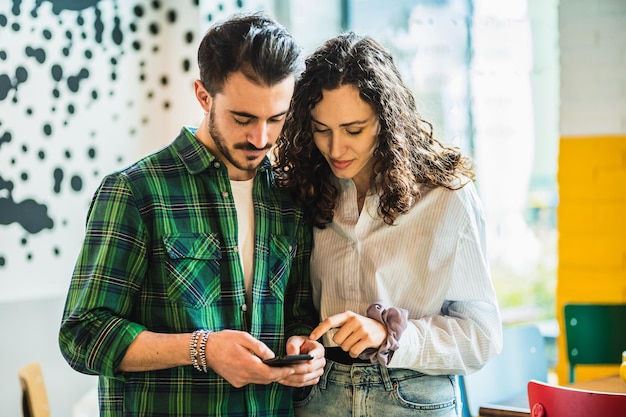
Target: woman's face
x=345 y=130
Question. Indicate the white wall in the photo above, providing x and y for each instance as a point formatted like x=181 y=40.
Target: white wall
x=593 y=62
x=102 y=86
x=29 y=333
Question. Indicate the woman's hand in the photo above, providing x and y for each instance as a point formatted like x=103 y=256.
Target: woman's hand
x=309 y=372
x=356 y=333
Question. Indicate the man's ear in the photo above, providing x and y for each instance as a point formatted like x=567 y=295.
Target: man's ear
x=203 y=96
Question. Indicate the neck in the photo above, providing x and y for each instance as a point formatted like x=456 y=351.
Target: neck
x=361 y=189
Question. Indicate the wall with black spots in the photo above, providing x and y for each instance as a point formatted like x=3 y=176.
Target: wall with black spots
x=86 y=88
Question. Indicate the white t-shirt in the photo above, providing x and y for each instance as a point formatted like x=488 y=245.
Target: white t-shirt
x=242 y=194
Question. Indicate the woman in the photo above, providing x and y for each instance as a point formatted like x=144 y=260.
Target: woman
x=399 y=268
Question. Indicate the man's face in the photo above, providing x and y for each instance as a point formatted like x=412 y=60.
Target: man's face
x=245 y=120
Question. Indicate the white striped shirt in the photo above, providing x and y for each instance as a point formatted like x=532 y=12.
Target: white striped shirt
x=431 y=262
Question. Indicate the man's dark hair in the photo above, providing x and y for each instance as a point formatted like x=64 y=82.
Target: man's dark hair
x=252 y=43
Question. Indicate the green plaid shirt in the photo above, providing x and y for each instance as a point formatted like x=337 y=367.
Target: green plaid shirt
x=160 y=253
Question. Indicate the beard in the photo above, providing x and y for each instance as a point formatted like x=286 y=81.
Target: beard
x=228 y=153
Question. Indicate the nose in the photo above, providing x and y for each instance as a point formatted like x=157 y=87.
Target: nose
x=335 y=146
x=258 y=135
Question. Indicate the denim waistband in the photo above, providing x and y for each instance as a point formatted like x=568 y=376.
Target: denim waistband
x=364 y=374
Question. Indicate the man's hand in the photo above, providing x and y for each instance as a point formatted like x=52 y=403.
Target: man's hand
x=356 y=333
x=238 y=358
x=309 y=372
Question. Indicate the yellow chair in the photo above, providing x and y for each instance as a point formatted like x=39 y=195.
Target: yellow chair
x=34 y=394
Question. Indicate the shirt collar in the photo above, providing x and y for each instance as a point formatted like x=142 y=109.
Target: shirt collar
x=196 y=157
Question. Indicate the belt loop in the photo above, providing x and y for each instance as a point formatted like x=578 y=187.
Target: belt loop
x=324 y=378
x=384 y=373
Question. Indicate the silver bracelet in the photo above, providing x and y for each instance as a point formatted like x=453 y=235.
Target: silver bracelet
x=193 y=349
x=197 y=349
x=205 y=337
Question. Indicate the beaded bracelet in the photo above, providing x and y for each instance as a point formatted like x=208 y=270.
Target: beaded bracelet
x=205 y=337
x=193 y=349
x=197 y=348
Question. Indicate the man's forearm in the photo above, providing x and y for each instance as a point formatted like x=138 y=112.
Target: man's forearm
x=153 y=351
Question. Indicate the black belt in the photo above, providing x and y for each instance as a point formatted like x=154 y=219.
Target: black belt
x=336 y=354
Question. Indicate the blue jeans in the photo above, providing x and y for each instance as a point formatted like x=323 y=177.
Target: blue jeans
x=364 y=390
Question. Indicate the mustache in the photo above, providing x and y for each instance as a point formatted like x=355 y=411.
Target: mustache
x=251 y=147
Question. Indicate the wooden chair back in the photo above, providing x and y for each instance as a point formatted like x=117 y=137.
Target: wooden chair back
x=34 y=394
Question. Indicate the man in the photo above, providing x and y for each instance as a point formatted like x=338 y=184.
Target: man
x=195 y=266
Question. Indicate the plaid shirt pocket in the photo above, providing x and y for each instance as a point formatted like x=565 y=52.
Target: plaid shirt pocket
x=193 y=265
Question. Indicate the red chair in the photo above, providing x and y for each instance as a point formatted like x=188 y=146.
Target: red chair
x=557 y=401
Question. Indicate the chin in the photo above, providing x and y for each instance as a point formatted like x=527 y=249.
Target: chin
x=343 y=175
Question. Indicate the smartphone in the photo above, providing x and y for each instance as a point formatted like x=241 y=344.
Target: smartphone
x=287 y=360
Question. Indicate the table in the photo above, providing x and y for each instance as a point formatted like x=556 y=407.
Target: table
x=497 y=410
x=519 y=406
x=611 y=383
x=502 y=410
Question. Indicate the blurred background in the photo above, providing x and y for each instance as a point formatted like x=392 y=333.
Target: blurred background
x=533 y=90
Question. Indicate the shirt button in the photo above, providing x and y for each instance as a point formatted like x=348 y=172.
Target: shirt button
x=236 y=249
x=225 y=194
x=290 y=248
x=244 y=308
x=217 y=164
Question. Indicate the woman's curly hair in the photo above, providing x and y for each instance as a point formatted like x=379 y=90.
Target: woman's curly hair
x=406 y=154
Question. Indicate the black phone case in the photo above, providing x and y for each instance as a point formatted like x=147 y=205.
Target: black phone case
x=287 y=360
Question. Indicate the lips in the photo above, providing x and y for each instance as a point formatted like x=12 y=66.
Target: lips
x=340 y=164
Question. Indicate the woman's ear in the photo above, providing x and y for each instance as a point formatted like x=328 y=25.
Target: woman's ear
x=203 y=96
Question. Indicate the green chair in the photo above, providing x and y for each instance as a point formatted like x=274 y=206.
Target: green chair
x=595 y=334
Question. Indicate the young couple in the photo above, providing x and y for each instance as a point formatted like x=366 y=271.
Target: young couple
x=363 y=245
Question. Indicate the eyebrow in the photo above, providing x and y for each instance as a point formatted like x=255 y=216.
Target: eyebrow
x=356 y=122
x=252 y=116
